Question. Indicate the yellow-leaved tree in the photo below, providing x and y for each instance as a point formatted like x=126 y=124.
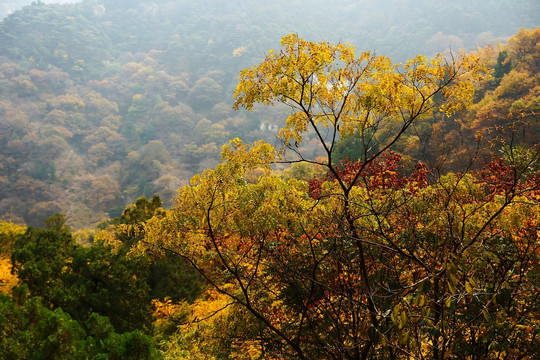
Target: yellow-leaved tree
x=8 y=234
x=365 y=262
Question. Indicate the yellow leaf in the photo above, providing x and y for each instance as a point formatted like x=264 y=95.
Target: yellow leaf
x=403 y=318
x=469 y=288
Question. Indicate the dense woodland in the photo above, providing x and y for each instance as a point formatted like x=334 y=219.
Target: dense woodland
x=178 y=184
x=106 y=101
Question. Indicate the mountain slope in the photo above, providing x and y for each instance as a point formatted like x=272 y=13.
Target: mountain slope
x=104 y=101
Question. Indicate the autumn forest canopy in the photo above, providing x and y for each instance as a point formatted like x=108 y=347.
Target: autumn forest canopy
x=184 y=183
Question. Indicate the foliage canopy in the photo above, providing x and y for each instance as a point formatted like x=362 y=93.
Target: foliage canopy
x=366 y=262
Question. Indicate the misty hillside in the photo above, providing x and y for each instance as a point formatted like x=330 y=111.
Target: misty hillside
x=9 y=7
x=105 y=101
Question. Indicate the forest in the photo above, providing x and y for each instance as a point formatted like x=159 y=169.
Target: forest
x=184 y=183
x=103 y=102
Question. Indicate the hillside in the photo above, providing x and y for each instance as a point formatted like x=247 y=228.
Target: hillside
x=106 y=101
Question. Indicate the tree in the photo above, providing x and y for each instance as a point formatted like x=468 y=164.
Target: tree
x=8 y=232
x=349 y=266
x=31 y=330
x=205 y=93
x=82 y=281
x=168 y=277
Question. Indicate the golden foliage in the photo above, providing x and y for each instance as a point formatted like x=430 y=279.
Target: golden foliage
x=7 y=280
x=327 y=86
x=8 y=232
